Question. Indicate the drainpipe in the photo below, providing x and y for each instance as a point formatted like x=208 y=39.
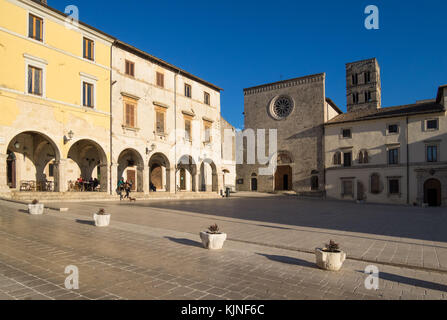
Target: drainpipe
x=408 y=165
x=111 y=121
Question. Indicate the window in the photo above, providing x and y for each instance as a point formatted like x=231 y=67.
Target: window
x=367 y=77
x=347 y=188
x=206 y=98
x=187 y=90
x=314 y=183
x=375 y=183
x=130 y=68
x=337 y=158
x=355 y=79
x=393 y=156
x=432 y=124
x=363 y=156
x=393 y=186
x=347 y=159
x=432 y=153
x=35 y=28
x=89 y=49
x=188 y=129
x=346 y=133
x=160 y=121
x=34 y=80
x=130 y=112
x=355 y=98
x=160 y=79
x=207 y=126
x=87 y=94
x=368 y=96
x=393 y=128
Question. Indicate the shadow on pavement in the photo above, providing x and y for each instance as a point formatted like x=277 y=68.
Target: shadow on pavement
x=410 y=281
x=289 y=260
x=185 y=242
x=88 y=222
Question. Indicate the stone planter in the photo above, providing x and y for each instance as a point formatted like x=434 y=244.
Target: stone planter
x=213 y=241
x=36 y=208
x=101 y=220
x=331 y=261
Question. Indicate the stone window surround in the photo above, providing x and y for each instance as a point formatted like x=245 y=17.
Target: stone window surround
x=392 y=147
x=82 y=47
x=433 y=143
x=90 y=80
x=31 y=61
x=399 y=179
x=388 y=133
x=32 y=13
x=426 y=122
x=342 y=191
x=341 y=133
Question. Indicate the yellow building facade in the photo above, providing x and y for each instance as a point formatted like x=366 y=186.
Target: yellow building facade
x=54 y=100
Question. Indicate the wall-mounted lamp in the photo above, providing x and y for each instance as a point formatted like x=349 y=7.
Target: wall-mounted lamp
x=69 y=138
x=16 y=145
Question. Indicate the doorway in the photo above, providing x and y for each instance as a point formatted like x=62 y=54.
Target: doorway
x=11 y=170
x=254 y=184
x=283 y=178
x=131 y=178
x=432 y=192
x=182 y=179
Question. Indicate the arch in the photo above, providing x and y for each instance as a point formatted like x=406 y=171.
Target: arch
x=27 y=166
x=432 y=192
x=87 y=159
x=186 y=174
x=159 y=172
x=225 y=173
x=208 y=176
x=131 y=168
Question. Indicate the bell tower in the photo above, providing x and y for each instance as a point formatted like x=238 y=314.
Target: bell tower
x=363 y=88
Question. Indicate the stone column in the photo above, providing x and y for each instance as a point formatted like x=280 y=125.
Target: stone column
x=60 y=179
x=195 y=185
x=220 y=185
x=146 y=179
x=3 y=174
x=104 y=183
x=172 y=183
x=113 y=178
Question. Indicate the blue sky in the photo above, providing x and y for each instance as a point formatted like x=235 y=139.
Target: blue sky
x=238 y=44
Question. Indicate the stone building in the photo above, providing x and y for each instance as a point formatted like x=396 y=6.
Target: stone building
x=297 y=109
x=55 y=100
x=228 y=155
x=77 y=102
x=387 y=155
x=165 y=125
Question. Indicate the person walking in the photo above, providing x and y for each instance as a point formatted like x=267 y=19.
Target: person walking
x=120 y=188
x=127 y=187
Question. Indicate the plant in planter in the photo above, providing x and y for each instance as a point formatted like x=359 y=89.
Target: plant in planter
x=102 y=219
x=212 y=238
x=35 y=207
x=330 y=257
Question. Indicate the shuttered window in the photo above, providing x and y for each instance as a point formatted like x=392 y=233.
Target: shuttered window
x=35 y=26
x=130 y=68
x=160 y=122
x=130 y=109
x=35 y=80
x=206 y=98
x=160 y=79
x=187 y=90
x=89 y=47
x=375 y=183
x=188 y=129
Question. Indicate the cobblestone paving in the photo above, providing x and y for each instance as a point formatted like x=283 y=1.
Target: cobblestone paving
x=131 y=260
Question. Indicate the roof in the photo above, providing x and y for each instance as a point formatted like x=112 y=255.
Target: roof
x=308 y=77
x=145 y=55
x=136 y=50
x=389 y=112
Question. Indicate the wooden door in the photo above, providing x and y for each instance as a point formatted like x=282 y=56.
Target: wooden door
x=131 y=178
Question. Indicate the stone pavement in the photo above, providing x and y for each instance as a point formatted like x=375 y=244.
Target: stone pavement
x=132 y=260
x=396 y=235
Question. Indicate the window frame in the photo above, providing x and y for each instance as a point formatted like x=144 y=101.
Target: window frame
x=84 y=38
x=207 y=125
x=342 y=133
x=90 y=80
x=134 y=103
x=379 y=190
x=432 y=145
x=42 y=31
x=159 y=110
x=205 y=96
x=344 y=163
x=355 y=98
x=398 y=179
x=35 y=62
x=157 y=74
x=431 y=129
x=398 y=155
x=389 y=133
x=190 y=91
x=343 y=191
x=131 y=64
x=88 y=83
x=32 y=67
